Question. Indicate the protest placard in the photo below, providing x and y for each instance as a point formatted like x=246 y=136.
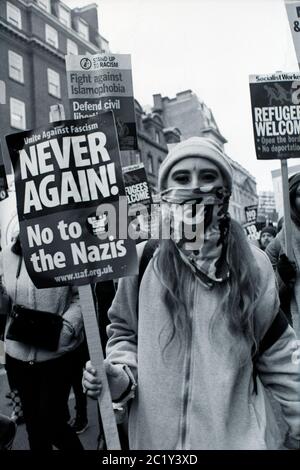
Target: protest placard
x=275 y=100
x=293 y=13
x=98 y=83
x=250 y=225
x=136 y=185
x=251 y=214
x=69 y=185
x=251 y=231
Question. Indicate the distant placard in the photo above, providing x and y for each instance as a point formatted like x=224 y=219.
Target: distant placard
x=251 y=220
x=139 y=196
x=251 y=231
x=98 y=83
x=136 y=185
x=275 y=101
x=251 y=214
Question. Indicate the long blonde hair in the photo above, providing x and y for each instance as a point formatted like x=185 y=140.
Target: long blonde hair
x=239 y=304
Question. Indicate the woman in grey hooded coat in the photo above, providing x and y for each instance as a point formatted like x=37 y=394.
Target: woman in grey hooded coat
x=189 y=341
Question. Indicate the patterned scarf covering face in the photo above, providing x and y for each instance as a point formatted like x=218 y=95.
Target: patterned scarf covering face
x=204 y=215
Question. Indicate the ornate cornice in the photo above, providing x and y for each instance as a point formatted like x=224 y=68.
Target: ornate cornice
x=56 y=21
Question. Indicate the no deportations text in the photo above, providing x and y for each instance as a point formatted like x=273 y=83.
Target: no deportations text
x=283 y=148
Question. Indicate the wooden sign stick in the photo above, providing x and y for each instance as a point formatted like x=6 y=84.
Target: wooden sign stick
x=91 y=327
x=96 y=355
x=286 y=209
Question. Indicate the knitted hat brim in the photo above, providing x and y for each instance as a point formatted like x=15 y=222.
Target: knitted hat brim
x=195 y=147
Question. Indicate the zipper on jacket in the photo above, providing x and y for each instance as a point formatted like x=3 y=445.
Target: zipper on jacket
x=187 y=376
x=186 y=400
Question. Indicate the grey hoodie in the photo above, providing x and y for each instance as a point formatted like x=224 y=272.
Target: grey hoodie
x=198 y=397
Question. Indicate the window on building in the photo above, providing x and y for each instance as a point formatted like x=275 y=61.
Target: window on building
x=53 y=83
x=72 y=47
x=51 y=36
x=64 y=16
x=45 y=4
x=15 y=65
x=13 y=15
x=83 y=29
x=150 y=163
x=17 y=114
x=157 y=137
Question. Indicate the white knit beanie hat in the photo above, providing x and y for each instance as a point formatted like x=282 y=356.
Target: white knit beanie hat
x=195 y=147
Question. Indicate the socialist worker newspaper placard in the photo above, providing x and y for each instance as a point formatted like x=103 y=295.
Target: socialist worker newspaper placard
x=98 y=83
x=275 y=101
x=68 y=184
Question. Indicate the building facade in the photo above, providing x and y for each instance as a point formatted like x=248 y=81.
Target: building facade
x=187 y=113
x=244 y=192
x=35 y=36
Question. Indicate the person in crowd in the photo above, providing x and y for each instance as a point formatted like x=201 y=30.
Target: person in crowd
x=42 y=376
x=288 y=270
x=267 y=234
x=199 y=337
